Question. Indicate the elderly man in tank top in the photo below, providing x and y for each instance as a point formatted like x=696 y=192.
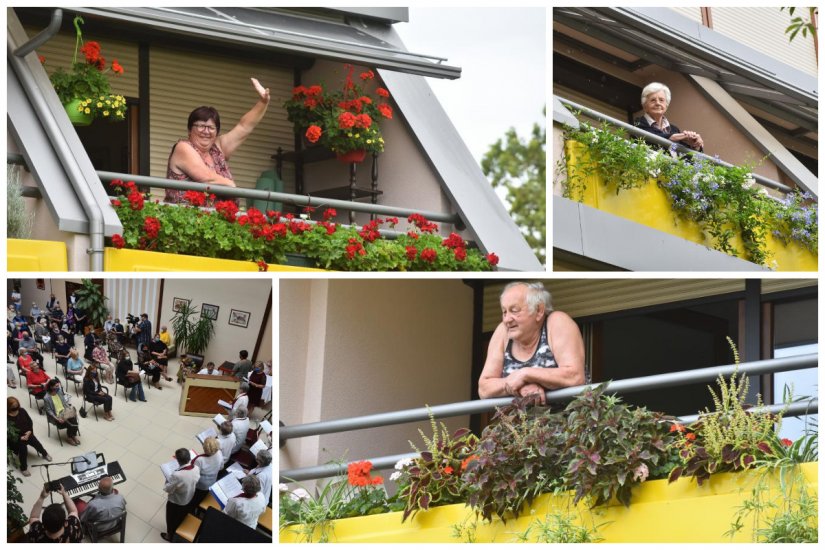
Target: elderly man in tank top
x=533 y=349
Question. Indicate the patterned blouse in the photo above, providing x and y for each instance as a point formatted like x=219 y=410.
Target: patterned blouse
x=218 y=158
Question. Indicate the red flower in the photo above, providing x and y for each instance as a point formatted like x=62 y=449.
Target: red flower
x=448 y=470
x=42 y=58
x=369 y=75
x=382 y=92
x=346 y=120
x=151 y=226
x=116 y=202
x=262 y=266
x=412 y=252
x=453 y=241
x=314 y=133
x=310 y=103
x=787 y=442
x=370 y=231
x=273 y=215
x=92 y=52
x=492 y=259
x=279 y=229
x=467 y=461
x=358 y=474
x=392 y=221
x=365 y=99
x=228 y=209
x=298 y=91
x=117 y=241
x=135 y=200
x=116 y=67
x=330 y=213
x=690 y=436
x=314 y=90
x=363 y=121
x=309 y=210
x=385 y=110
x=422 y=223
x=676 y=428
x=116 y=183
x=460 y=254
x=429 y=255
x=355 y=247
x=195 y=198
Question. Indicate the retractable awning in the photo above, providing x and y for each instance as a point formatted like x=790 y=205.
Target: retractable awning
x=359 y=42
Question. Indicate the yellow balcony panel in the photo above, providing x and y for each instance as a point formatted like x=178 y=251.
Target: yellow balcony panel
x=34 y=255
x=141 y=260
x=649 y=205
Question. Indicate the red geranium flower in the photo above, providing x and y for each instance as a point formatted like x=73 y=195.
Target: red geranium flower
x=363 y=121
x=787 y=442
x=228 y=209
x=92 y=52
x=429 y=255
x=313 y=133
x=116 y=67
x=448 y=470
x=330 y=213
x=453 y=241
x=460 y=254
x=262 y=266
x=135 y=200
x=195 y=198
x=369 y=75
x=690 y=436
x=382 y=92
x=314 y=90
x=298 y=91
x=492 y=259
x=117 y=241
x=346 y=120
x=116 y=202
x=412 y=252
x=151 y=226
x=310 y=103
x=385 y=110
x=42 y=58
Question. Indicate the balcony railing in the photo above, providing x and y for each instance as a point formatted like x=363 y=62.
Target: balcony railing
x=657 y=381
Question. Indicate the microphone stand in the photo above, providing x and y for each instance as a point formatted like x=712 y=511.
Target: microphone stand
x=48 y=477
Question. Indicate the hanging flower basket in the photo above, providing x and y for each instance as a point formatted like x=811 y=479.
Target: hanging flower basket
x=352 y=156
x=76 y=114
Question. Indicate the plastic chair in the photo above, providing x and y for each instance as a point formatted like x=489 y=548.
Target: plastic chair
x=188 y=529
x=95 y=533
x=58 y=427
x=72 y=379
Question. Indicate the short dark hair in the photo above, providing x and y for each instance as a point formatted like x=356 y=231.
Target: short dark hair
x=244 y=354
x=52 y=383
x=204 y=114
x=54 y=516
x=182 y=456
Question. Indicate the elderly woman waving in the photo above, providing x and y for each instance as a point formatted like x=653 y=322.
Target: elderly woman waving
x=203 y=156
x=534 y=349
x=655 y=101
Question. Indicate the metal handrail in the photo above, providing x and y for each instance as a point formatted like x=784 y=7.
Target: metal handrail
x=667 y=143
x=385 y=462
x=627 y=385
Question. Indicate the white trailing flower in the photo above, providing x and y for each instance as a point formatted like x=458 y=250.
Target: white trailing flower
x=749 y=181
x=283 y=488
x=395 y=476
x=641 y=472
x=403 y=463
x=299 y=494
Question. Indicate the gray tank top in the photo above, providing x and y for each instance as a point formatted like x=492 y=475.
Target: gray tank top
x=542 y=357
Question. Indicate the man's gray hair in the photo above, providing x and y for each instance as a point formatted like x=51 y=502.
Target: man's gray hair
x=251 y=485
x=653 y=88
x=536 y=294
x=264 y=457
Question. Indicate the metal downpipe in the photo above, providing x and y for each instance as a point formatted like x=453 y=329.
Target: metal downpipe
x=43 y=36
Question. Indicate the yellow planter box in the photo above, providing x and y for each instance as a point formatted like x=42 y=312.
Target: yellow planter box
x=659 y=512
x=649 y=205
x=141 y=260
x=32 y=255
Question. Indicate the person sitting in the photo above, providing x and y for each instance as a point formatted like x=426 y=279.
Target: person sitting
x=129 y=377
x=227 y=439
x=60 y=412
x=109 y=324
x=55 y=525
x=209 y=369
x=159 y=353
x=209 y=463
x=24 y=361
x=21 y=420
x=56 y=314
x=165 y=336
x=61 y=350
x=204 y=155
x=74 y=366
x=42 y=336
x=36 y=380
x=249 y=505
x=113 y=343
x=243 y=366
x=263 y=471
x=181 y=488
x=106 y=505
x=155 y=371
x=104 y=364
x=26 y=341
x=655 y=101
x=533 y=349
x=89 y=346
x=240 y=427
x=94 y=393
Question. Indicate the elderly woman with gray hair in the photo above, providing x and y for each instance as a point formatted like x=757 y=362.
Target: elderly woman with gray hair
x=655 y=101
x=249 y=505
x=533 y=349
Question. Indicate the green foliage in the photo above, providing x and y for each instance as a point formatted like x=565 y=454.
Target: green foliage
x=799 y=23
x=560 y=527
x=724 y=201
x=434 y=477
x=192 y=336
x=267 y=238
x=520 y=167
x=15 y=516
x=19 y=222
x=91 y=300
x=465 y=530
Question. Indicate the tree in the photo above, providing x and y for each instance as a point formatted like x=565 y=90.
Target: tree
x=519 y=166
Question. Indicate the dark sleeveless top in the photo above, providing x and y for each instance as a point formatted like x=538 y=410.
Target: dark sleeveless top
x=542 y=357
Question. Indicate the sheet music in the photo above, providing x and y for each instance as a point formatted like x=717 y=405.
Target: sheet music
x=206 y=434
x=219 y=419
x=81 y=465
x=225 y=488
x=265 y=426
x=224 y=404
x=168 y=468
x=236 y=470
x=258 y=446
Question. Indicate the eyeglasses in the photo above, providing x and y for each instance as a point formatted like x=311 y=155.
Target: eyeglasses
x=205 y=128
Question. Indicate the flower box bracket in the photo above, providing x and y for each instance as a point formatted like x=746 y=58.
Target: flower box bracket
x=349 y=192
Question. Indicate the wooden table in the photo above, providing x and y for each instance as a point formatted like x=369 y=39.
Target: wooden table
x=200 y=393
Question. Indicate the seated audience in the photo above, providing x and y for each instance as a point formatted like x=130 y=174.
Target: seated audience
x=61 y=350
x=249 y=505
x=129 y=377
x=159 y=353
x=74 y=365
x=19 y=445
x=165 y=337
x=155 y=371
x=60 y=412
x=104 y=364
x=55 y=525
x=94 y=393
x=181 y=488
x=36 y=380
x=24 y=361
x=106 y=505
x=26 y=341
x=240 y=427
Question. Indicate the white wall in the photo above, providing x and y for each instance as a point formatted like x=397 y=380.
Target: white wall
x=250 y=295
x=355 y=347
x=30 y=293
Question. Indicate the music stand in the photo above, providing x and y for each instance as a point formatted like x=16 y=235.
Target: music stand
x=226 y=368
x=77 y=470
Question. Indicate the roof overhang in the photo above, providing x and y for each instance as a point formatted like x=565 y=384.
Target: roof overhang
x=663 y=37
x=358 y=41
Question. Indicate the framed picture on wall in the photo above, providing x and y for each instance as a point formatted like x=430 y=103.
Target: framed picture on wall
x=177 y=303
x=239 y=318
x=209 y=311
x=41 y=284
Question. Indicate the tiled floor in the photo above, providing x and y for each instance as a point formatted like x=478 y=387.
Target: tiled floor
x=142 y=436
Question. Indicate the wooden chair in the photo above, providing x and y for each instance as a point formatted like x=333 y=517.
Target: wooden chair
x=95 y=533
x=94 y=405
x=188 y=530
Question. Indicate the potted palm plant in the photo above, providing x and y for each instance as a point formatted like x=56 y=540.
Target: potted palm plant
x=192 y=336
x=91 y=300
